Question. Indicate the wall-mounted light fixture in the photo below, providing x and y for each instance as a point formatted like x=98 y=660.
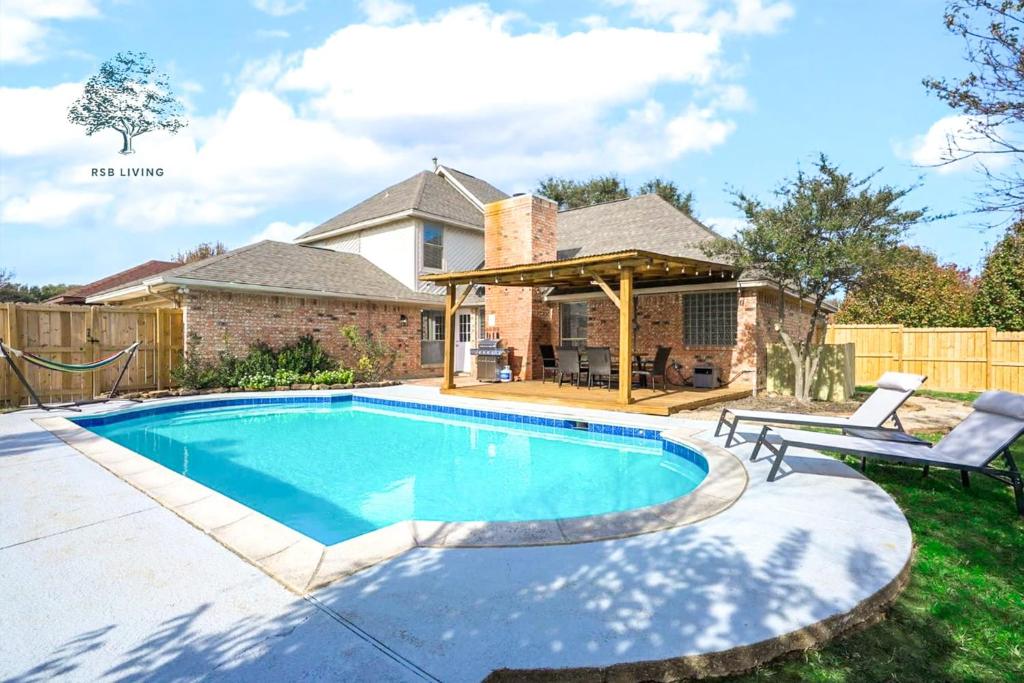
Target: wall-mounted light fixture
x=403 y=320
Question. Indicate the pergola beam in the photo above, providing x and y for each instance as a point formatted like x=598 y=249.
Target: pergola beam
x=626 y=336
x=607 y=290
x=452 y=303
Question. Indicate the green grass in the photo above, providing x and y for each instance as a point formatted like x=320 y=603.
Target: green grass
x=962 y=396
x=961 y=617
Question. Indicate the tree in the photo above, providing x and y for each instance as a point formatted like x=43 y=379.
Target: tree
x=915 y=290
x=201 y=251
x=1000 y=299
x=826 y=233
x=127 y=95
x=18 y=293
x=670 y=192
x=991 y=96
x=573 y=194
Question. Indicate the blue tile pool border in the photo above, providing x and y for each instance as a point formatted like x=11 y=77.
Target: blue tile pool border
x=596 y=428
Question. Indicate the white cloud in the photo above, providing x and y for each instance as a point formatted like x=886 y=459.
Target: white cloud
x=302 y=129
x=721 y=16
x=697 y=129
x=281 y=231
x=944 y=141
x=25 y=30
x=48 y=206
x=279 y=8
x=386 y=11
x=724 y=225
x=220 y=169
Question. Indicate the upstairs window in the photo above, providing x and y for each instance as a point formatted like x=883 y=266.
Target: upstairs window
x=709 y=319
x=433 y=246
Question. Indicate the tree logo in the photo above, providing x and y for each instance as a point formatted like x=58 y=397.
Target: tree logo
x=128 y=95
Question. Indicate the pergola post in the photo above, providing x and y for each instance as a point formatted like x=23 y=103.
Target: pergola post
x=626 y=336
x=448 y=382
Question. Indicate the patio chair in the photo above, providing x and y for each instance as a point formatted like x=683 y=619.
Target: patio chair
x=599 y=367
x=988 y=432
x=656 y=368
x=549 y=362
x=568 y=365
x=893 y=389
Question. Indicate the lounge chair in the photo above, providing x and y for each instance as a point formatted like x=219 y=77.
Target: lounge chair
x=549 y=362
x=984 y=435
x=893 y=389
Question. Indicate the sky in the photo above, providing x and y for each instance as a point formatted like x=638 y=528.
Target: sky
x=298 y=109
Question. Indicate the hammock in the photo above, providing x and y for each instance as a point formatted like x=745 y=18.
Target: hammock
x=9 y=353
x=64 y=367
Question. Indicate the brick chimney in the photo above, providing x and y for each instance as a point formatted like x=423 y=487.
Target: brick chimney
x=517 y=230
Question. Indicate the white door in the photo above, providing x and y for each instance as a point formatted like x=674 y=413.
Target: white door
x=463 y=340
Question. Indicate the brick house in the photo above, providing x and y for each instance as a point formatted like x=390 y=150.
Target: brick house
x=366 y=266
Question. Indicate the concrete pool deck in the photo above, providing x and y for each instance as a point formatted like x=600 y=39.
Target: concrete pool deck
x=99 y=581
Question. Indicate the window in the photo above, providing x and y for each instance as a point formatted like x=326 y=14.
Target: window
x=433 y=246
x=574 y=324
x=431 y=338
x=709 y=319
x=465 y=327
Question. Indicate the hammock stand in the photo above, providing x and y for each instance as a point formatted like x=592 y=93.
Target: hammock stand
x=9 y=353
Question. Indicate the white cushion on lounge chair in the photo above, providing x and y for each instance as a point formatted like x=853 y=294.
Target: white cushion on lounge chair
x=900 y=381
x=1001 y=403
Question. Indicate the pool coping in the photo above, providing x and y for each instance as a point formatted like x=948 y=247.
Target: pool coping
x=302 y=564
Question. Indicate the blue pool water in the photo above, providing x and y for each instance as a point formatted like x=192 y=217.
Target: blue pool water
x=335 y=469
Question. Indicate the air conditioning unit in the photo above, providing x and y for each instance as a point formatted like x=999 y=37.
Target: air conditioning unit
x=705 y=375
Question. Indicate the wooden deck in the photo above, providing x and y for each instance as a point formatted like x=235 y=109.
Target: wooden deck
x=646 y=401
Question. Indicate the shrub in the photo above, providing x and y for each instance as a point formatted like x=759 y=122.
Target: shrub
x=375 y=358
x=257 y=381
x=285 y=377
x=304 y=356
x=261 y=360
x=340 y=376
x=192 y=372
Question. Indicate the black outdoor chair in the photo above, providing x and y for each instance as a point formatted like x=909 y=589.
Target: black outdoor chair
x=569 y=366
x=549 y=362
x=599 y=366
x=656 y=368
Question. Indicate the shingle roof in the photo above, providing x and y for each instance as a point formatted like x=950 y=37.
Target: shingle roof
x=292 y=266
x=124 y=278
x=481 y=189
x=647 y=222
x=427 y=192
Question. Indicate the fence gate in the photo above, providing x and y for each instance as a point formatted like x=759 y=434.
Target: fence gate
x=80 y=334
x=953 y=358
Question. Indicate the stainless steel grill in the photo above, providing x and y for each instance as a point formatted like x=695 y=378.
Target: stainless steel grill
x=490 y=358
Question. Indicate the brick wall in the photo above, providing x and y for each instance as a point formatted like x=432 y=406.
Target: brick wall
x=231 y=322
x=520 y=230
x=660 y=323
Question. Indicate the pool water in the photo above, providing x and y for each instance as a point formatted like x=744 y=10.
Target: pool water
x=335 y=470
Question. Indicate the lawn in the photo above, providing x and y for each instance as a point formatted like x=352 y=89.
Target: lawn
x=962 y=396
x=961 y=618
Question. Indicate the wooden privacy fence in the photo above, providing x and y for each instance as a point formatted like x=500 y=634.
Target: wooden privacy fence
x=81 y=334
x=953 y=358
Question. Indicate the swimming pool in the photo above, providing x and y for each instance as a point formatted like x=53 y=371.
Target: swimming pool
x=334 y=467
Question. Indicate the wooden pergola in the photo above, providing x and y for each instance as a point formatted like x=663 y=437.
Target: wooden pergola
x=627 y=268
